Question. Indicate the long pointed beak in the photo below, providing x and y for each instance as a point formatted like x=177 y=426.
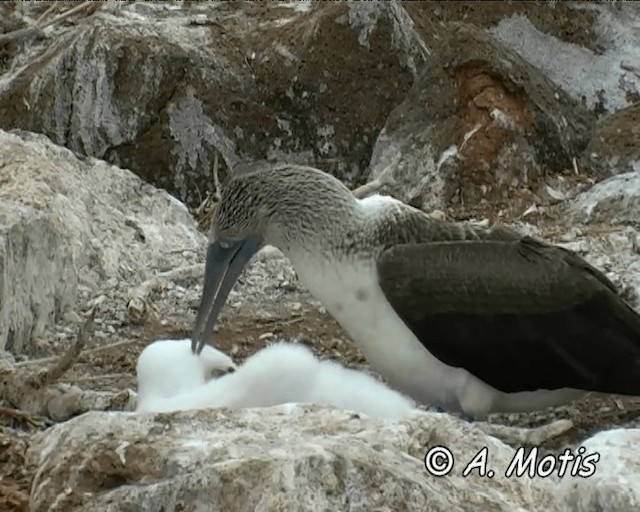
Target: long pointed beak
x=222 y=268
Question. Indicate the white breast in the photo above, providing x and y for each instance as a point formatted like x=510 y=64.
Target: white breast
x=351 y=294
x=349 y=291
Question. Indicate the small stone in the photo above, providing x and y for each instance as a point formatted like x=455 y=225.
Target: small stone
x=137 y=310
x=97 y=301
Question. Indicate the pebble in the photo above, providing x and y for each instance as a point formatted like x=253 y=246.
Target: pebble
x=97 y=301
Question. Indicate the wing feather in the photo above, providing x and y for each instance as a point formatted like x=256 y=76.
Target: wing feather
x=519 y=314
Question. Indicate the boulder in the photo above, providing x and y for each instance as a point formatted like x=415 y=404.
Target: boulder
x=478 y=123
x=38 y=278
x=601 y=223
x=164 y=90
x=615 y=145
x=595 y=52
x=289 y=457
x=615 y=484
x=614 y=200
x=72 y=228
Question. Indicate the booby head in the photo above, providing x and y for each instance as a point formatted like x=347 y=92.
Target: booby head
x=167 y=367
x=266 y=206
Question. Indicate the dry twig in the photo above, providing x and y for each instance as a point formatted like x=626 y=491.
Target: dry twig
x=37 y=393
x=92 y=351
x=62 y=364
x=516 y=436
x=24 y=417
x=23 y=33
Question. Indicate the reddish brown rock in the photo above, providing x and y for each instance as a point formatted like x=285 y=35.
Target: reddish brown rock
x=478 y=124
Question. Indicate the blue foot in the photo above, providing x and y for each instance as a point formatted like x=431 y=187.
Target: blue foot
x=437 y=407
x=467 y=417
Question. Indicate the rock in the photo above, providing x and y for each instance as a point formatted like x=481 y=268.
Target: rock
x=563 y=21
x=163 y=90
x=613 y=200
x=478 y=122
x=609 y=213
x=38 y=279
x=599 y=66
x=290 y=457
x=615 y=485
x=615 y=146
x=68 y=222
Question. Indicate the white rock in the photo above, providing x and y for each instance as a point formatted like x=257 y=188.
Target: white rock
x=615 y=485
x=64 y=221
x=38 y=277
x=280 y=458
x=578 y=70
x=614 y=199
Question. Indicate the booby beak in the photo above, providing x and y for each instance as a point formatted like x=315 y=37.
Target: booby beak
x=222 y=268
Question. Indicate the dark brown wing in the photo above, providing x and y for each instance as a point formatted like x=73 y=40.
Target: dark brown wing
x=520 y=315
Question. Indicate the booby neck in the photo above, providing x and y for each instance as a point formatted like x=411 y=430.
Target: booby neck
x=301 y=209
x=298 y=209
x=314 y=220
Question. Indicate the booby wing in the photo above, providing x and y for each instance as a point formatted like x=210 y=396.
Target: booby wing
x=520 y=315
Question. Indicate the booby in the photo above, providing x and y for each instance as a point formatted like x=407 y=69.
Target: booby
x=278 y=374
x=475 y=319
x=166 y=368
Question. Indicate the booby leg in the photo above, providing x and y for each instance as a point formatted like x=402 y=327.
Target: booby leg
x=469 y=418
x=437 y=406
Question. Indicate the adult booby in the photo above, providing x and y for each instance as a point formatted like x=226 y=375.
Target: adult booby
x=478 y=320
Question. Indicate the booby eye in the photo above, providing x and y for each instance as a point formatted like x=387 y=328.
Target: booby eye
x=225 y=244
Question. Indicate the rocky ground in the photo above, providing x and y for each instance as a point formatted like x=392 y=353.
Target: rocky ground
x=461 y=118
x=262 y=317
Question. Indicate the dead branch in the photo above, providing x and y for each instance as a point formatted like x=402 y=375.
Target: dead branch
x=103 y=348
x=516 y=436
x=138 y=303
x=24 y=418
x=37 y=393
x=62 y=364
x=46 y=13
x=373 y=187
x=104 y=376
x=23 y=33
x=17 y=35
x=216 y=177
